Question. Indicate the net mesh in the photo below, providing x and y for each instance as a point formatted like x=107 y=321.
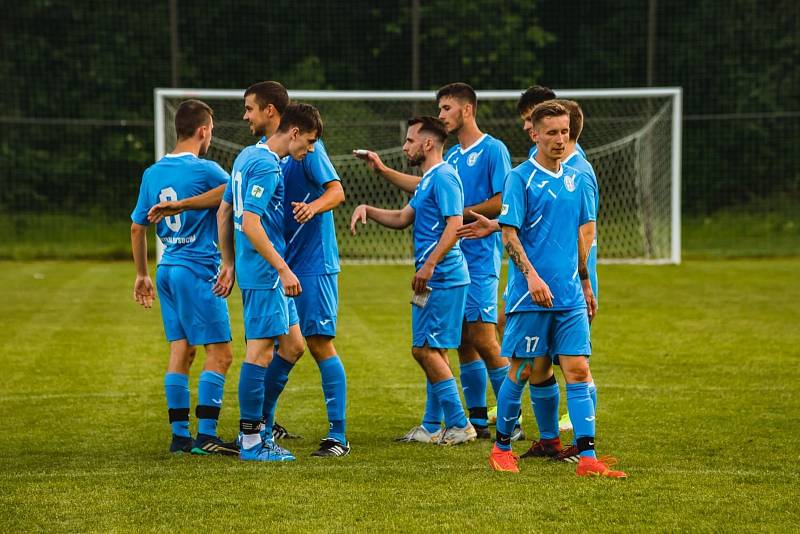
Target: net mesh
x=627 y=140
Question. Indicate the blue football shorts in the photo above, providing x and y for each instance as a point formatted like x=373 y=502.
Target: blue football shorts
x=266 y=313
x=439 y=322
x=530 y=334
x=291 y=305
x=318 y=304
x=482 y=299
x=189 y=309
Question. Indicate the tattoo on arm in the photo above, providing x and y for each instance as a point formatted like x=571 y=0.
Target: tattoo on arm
x=513 y=254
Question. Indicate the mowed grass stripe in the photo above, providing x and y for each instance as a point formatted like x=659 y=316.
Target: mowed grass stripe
x=693 y=364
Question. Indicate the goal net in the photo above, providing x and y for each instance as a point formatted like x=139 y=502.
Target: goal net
x=631 y=137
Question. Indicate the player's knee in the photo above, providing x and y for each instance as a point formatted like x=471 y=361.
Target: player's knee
x=418 y=353
x=291 y=351
x=577 y=374
x=220 y=357
x=321 y=347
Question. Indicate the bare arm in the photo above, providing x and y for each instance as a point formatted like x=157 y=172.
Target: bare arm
x=446 y=242
x=330 y=199
x=227 y=273
x=406 y=182
x=209 y=199
x=539 y=290
x=489 y=208
x=396 y=219
x=251 y=226
x=585 y=238
x=480 y=227
x=143 y=289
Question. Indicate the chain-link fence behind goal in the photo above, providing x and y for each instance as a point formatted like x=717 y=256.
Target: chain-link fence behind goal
x=631 y=137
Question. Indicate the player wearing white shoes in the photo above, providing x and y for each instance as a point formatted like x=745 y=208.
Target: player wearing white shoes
x=481 y=162
x=441 y=281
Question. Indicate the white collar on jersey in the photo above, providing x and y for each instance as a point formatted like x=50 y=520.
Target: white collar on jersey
x=558 y=174
x=431 y=169
x=179 y=155
x=473 y=145
x=266 y=147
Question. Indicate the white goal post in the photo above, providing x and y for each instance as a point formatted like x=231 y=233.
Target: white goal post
x=632 y=137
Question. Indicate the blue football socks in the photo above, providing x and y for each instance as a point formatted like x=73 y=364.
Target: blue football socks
x=432 y=419
x=274 y=382
x=176 y=387
x=545 y=398
x=473 y=383
x=209 y=401
x=251 y=391
x=581 y=413
x=447 y=393
x=509 y=401
x=334 y=388
x=496 y=377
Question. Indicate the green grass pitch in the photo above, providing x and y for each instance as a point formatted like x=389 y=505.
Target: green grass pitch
x=696 y=367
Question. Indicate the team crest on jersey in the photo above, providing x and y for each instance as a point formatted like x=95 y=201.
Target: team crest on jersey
x=425 y=183
x=257 y=191
x=569 y=183
x=473 y=158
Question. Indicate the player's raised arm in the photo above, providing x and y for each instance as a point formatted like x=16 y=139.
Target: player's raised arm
x=396 y=219
x=406 y=182
x=209 y=199
x=330 y=199
x=481 y=227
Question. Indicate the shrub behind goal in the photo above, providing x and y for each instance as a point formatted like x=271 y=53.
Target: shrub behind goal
x=631 y=137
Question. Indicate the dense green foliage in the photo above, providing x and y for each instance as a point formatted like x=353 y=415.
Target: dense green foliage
x=694 y=398
x=76 y=102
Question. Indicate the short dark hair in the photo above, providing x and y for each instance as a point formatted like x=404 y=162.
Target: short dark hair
x=431 y=125
x=191 y=115
x=546 y=109
x=575 y=117
x=304 y=117
x=533 y=95
x=460 y=91
x=269 y=93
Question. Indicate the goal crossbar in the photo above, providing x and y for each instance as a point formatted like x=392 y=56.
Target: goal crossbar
x=674 y=94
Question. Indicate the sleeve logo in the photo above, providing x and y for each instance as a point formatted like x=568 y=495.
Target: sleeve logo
x=504 y=209
x=257 y=191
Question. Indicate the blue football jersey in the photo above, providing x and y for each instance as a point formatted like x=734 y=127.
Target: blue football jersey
x=190 y=238
x=438 y=196
x=534 y=149
x=592 y=193
x=256 y=185
x=546 y=208
x=482 y=168
x=311 y=247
